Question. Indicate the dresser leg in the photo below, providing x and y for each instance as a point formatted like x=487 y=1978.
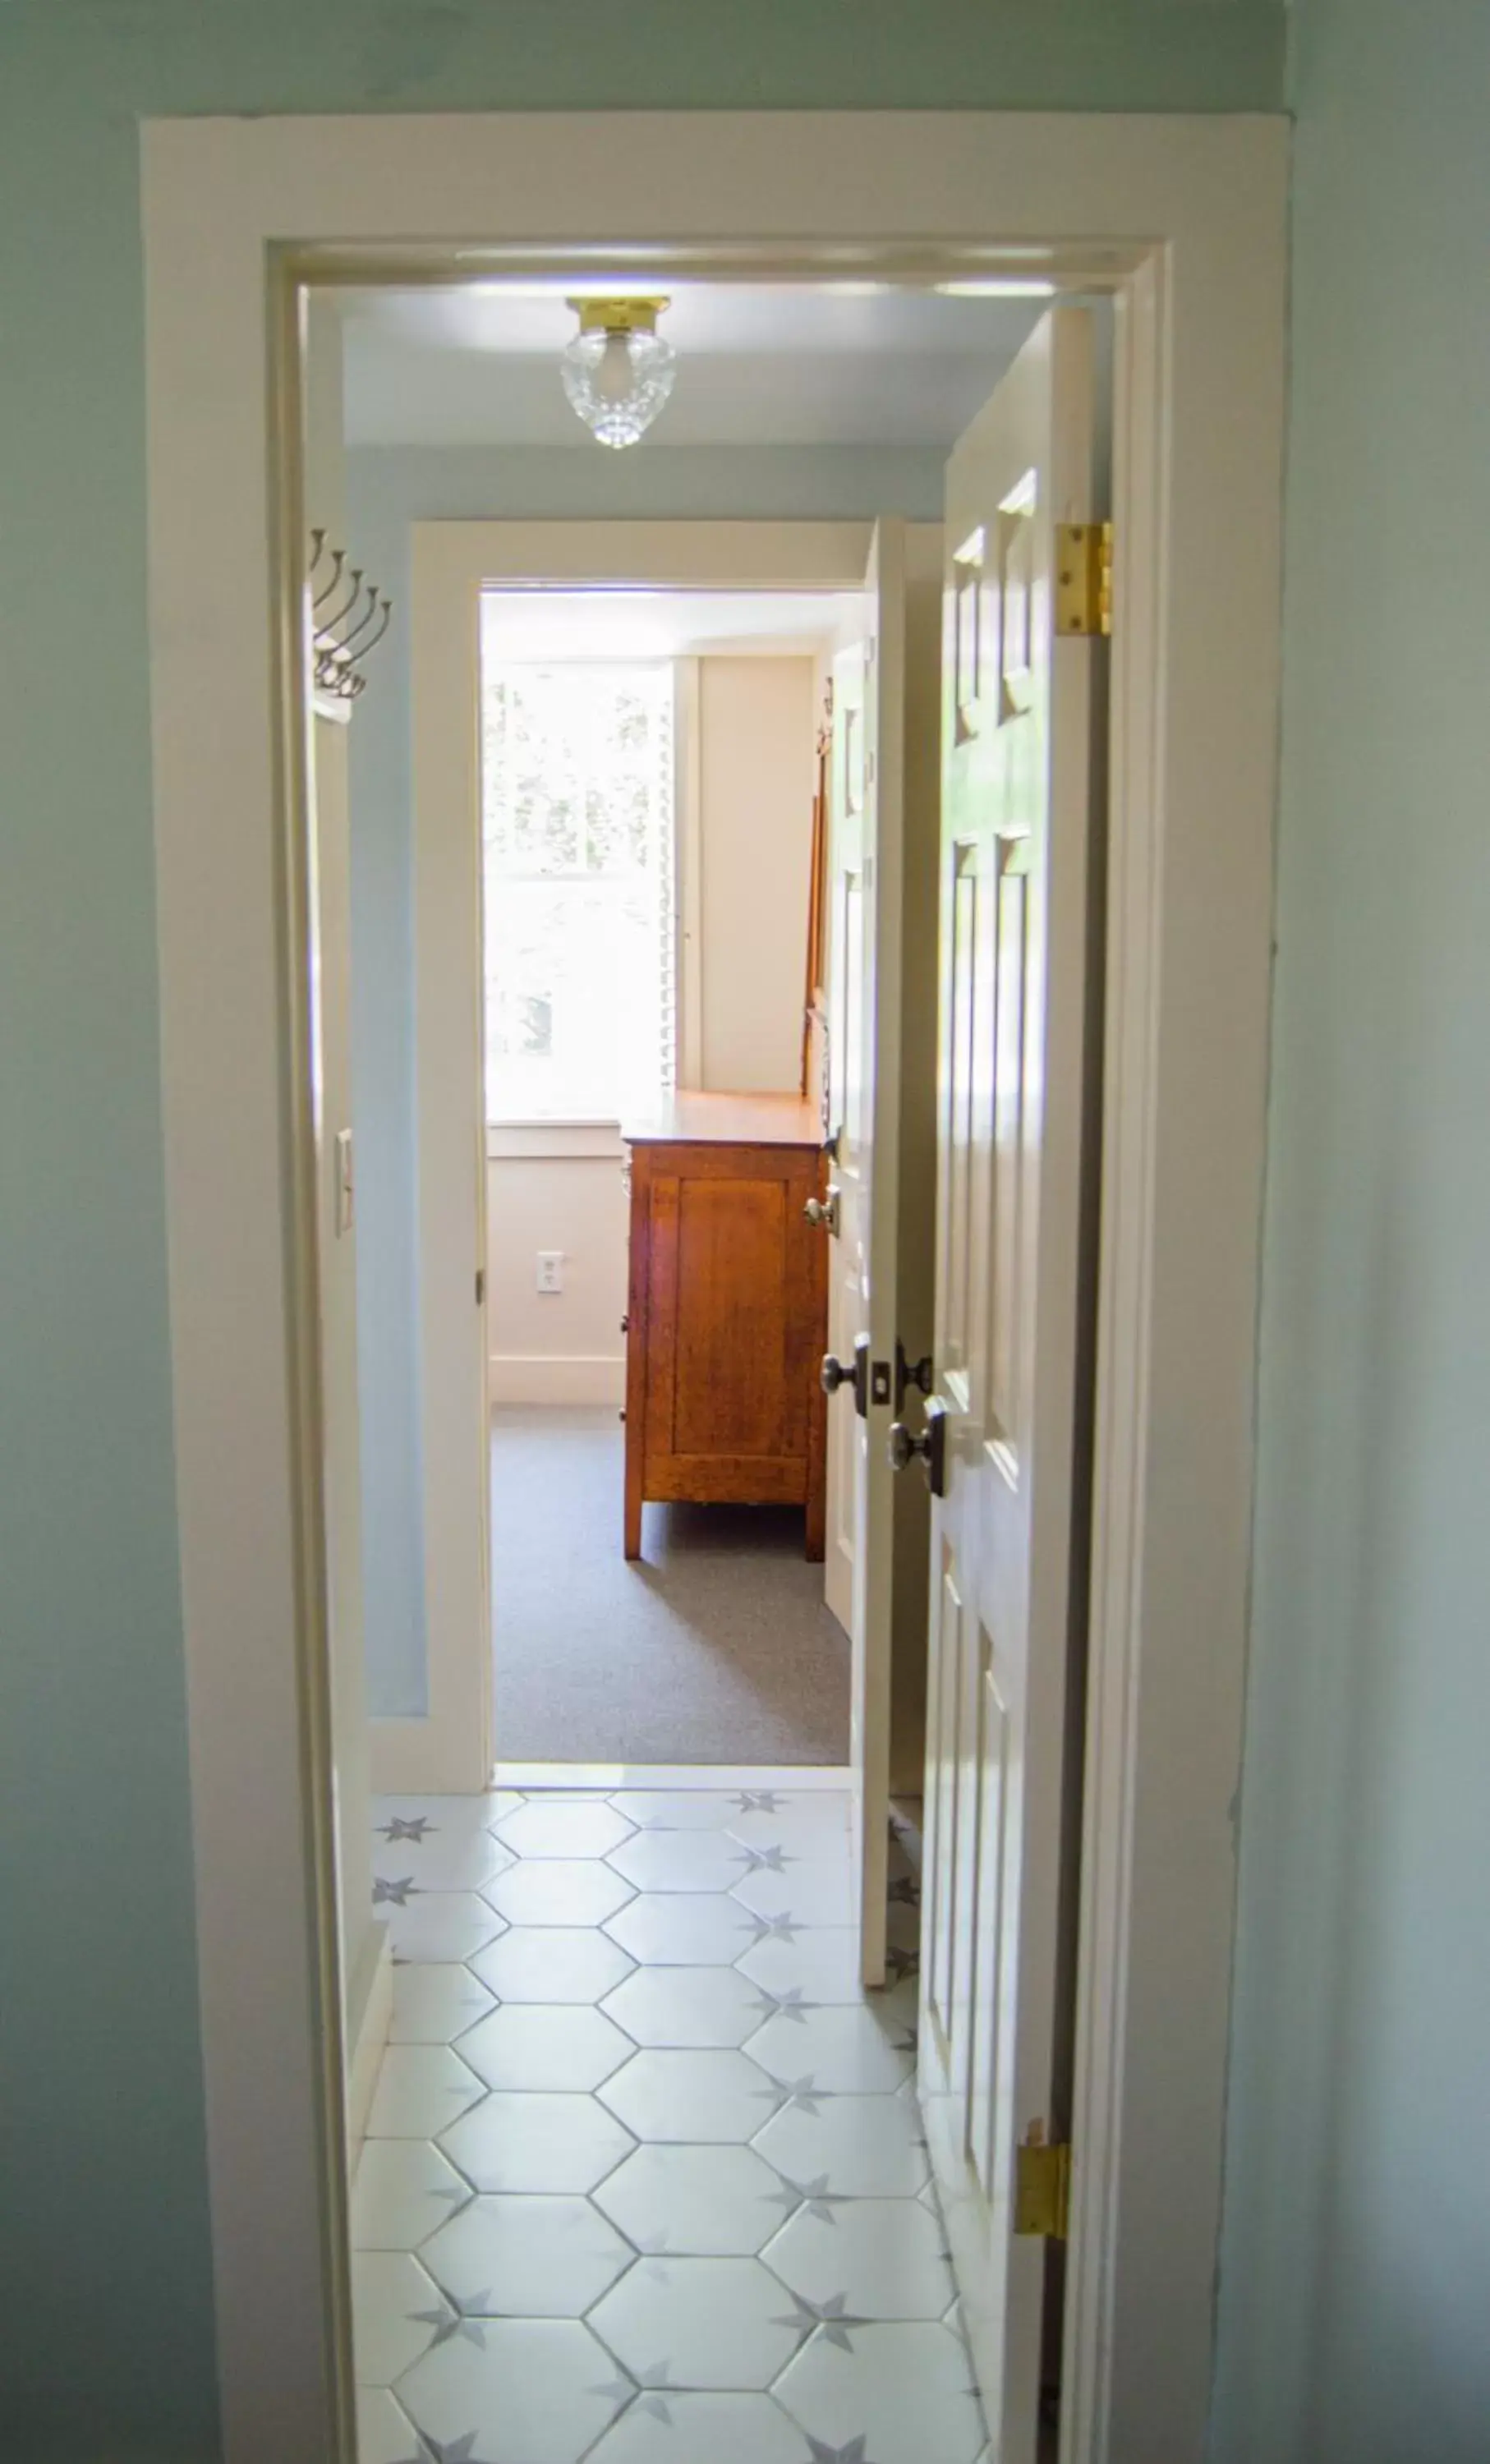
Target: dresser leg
x=633 y=1520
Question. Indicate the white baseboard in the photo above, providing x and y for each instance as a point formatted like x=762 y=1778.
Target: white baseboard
x=365 y=2050
x=794 y=1776
x=576 y=1377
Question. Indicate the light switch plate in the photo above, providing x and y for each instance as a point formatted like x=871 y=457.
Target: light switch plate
x=551 y=1270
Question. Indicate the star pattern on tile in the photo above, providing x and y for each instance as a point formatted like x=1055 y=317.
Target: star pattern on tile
x=765 y=1861
x=618 y=2390
x=855 y=2452
x=450 y=2451
x=396 y=1893
x=801 y=2095
x=793 y=2004
x=448 y=2321
x=783 y=1928
x=814 y=2196
x=413 y=1826
x=905 y=1893
x=902 y=1962
x=656 y=2386
x=832 y=2318
x=758 y=1800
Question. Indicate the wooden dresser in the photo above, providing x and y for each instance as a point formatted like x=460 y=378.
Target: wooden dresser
x=727 y=1311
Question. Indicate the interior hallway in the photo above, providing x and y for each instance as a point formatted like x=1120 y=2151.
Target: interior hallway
x=645 y=2176
x=716 y=1647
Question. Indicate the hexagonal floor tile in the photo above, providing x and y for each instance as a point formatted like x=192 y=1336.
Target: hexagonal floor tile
x=535 y=2045
x=559 y=1891
x=538 y=2143
x=395 y=2309
x=421 y=2090
x=812 y=1891
x=819 y=1962
x=458 y=1860
x=700 y=2322
x=677 y=1809
x=527 y=2257
x=805 y=1821
x=563 y=1827
x=667 y=2428
x=426 y=1820
x=681 y=1861
x=522 y=2391
x=384 y=2432
x=404 y=2190
x=906 y=2390
x=697 y=2202
x=846 y=2048
x=884 y=2258
x=441 y=1925
x=553 y=1964
x=435 y=2002
x=709 y=2098
x=683 y=2007
x=683 y=1929
x=864 y=2146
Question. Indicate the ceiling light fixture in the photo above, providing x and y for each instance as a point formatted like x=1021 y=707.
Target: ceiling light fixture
x=618 y=371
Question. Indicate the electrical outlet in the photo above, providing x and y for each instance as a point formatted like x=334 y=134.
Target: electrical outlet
x=551 y=1270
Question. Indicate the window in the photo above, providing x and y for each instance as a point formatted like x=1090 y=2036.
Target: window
x=577 y=834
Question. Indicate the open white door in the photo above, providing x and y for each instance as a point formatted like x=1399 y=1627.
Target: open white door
x=866 y=859
x=1005 y=1415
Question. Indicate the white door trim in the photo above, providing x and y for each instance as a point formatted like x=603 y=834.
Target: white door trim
x=451 y=1748
x=1185 y=220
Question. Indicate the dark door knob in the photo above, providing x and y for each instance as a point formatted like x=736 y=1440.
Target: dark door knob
x=927 y=1446
x=835 y=1373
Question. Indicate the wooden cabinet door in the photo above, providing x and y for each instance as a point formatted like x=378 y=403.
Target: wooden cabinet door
x=727 y=1325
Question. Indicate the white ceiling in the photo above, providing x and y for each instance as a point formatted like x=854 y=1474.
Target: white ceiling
x=543 y=623
x=850 y=364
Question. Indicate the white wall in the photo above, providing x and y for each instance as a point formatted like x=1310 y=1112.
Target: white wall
x=556 y=1189
x=757 y=725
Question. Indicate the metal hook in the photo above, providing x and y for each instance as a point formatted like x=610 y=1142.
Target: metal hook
x=344 y=656
x=326 y=629
x=317 y=542
x=328 y=588
x=361 y=627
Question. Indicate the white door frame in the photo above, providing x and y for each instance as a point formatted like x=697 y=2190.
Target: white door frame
x=1184 y=220
x=451 y=1748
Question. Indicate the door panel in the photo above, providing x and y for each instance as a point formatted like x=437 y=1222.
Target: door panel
x=845 y=1082
x=1013 y=1184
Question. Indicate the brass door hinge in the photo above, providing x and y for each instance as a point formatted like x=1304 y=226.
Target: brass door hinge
x=1043 y=2188
x=1084 y=576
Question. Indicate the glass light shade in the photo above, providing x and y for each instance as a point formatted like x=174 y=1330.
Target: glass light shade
x=618 y=373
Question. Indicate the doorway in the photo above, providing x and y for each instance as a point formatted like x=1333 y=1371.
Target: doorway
x=733 y=1223
x=1199 y=192
x=650 y=797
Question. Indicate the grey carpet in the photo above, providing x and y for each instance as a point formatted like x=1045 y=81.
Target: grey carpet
x=714 y=1646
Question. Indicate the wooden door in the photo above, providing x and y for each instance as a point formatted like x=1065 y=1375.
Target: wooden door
x=1014 y=1201
x=867 y=857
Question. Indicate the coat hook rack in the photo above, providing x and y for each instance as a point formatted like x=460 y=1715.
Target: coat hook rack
x=349 y=617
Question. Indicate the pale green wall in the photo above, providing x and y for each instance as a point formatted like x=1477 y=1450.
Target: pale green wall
x=106 y=2300
x=1356 y=2271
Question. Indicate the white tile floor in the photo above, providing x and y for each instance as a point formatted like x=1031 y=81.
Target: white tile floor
x=645 y=2179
